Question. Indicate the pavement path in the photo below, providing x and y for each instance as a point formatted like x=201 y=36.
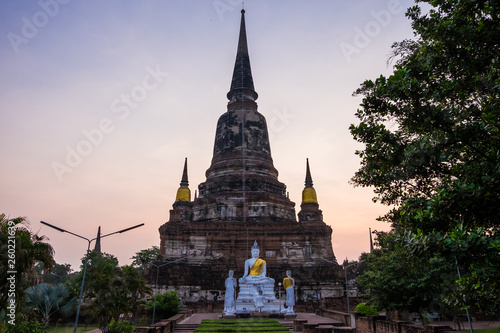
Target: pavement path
x=196 y=319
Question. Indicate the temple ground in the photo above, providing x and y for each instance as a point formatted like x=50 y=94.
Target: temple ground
x=480 y=326
x=196 y=318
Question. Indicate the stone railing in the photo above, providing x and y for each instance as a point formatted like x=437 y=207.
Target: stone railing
x=165 y=325
x=343 y=317
x=378 y=324
x=363 y=324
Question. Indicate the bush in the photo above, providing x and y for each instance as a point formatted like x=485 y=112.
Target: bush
x=167 y=305
x=120 y=327
x=366 y=309
x=25 y=325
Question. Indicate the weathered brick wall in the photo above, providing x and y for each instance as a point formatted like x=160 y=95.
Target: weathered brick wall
x=363 y=325
x=337 y=315
x=378 y=324
x=385 y=326
x=408 y=328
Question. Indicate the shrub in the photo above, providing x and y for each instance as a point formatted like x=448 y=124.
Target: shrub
x=167 y=305
x=366 y=309
x=25 y=325
x=120 y=327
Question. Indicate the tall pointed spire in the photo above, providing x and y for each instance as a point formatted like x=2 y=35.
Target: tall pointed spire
x=371 y=241
x=309 y=181
x=184 y=180
x=242 y=83
x=184 y=193
x=309 y=193
x=97 y=247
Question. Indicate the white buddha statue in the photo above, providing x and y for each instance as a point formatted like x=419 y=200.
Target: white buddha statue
x=229 y=304
x=255 y=269
x=289 y=284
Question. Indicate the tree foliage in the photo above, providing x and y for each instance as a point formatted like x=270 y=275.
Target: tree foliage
x=395 y=279
x=47 y=300
x=432 y=142
x=20 y=250
x=60 y=273
x=143 y=257
x=25 y=324
x=167 y=305
x=111 y=290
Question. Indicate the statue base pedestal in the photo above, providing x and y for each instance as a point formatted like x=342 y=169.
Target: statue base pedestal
x=259 y=315
x=228 y=316
x=248 y=306
x=248 y=291
x=245 y=303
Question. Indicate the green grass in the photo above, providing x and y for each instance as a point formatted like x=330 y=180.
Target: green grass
x=482 y=330
x=68 y=328
x=242 y=325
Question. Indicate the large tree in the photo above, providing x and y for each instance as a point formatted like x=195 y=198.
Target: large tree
x=397 y=280
x=431 y=132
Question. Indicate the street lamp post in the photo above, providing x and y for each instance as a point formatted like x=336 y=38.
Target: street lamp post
x=466 y=310
x=156 y=283
x=346 y=285
x=86 y=258
x=279 y=285
x=345 y=272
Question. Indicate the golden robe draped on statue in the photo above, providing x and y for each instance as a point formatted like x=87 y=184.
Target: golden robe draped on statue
x=287 y=283
x=257 y=267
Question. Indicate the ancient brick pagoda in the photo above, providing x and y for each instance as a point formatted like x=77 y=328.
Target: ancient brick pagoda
x=243 y=201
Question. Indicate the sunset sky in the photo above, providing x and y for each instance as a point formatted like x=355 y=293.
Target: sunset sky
x=101 y=101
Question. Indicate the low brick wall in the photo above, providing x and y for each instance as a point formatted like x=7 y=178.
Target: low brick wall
x=363 y=325
x=337 y=315
x=378 y=324
x=165 y=325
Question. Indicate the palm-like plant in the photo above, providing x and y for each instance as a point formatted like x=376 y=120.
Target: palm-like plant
x=112 y=290
x=47 y=299
x=20 y=248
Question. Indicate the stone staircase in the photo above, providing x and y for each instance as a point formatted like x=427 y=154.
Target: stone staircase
x=189 y=328
x=185 y=328
x=288 y=324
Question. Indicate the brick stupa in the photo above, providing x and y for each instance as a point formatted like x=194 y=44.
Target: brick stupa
x=240 y=202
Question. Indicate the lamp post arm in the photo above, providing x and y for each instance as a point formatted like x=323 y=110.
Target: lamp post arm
x=62 y=230
x=171 y=262
x=124 y=230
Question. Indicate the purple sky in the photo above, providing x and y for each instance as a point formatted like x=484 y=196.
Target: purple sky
x=101 y=101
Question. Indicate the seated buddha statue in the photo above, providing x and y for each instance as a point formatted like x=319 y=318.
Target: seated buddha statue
x=255 y=269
